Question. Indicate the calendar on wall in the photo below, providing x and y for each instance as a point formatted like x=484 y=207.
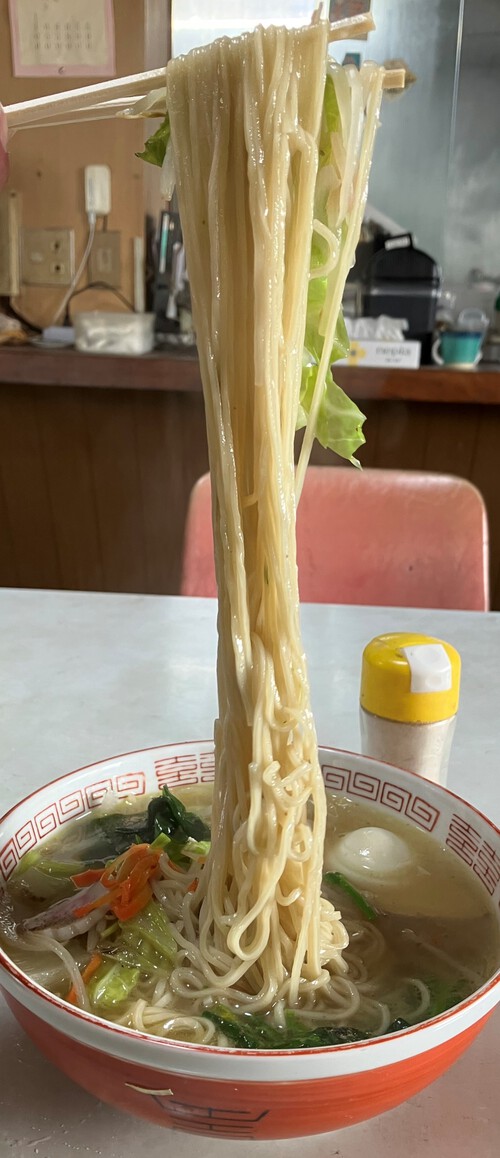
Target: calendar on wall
x=62 y=37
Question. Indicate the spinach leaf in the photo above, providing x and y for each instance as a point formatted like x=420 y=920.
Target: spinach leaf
x=397 y=1025
x=445 y=993
x=106 y=835
x=252 y=1031
x=166 y=814
x=339 y=881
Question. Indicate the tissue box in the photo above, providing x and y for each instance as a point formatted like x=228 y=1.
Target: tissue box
x=100 y=332
x=368 y=352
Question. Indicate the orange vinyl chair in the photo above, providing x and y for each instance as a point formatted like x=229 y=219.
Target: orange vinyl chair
x=382 y=537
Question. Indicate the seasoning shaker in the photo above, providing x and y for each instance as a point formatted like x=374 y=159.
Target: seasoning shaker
x=410 y=688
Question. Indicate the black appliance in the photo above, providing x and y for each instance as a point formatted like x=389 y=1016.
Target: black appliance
x=403 y=282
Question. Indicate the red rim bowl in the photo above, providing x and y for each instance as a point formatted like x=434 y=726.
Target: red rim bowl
x=227 y=1092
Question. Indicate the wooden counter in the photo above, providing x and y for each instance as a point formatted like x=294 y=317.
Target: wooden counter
x=98 y=455
x=180 y=371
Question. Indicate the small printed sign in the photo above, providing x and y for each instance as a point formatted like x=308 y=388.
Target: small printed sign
x=376 y=353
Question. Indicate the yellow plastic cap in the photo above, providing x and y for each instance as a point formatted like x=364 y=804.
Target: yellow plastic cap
x=410 y=678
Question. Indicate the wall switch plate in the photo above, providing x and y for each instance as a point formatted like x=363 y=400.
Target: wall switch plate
x=105 y=258
x=10 y=213
x=47 y=256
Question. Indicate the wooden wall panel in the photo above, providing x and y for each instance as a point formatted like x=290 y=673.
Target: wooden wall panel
x=47 y=164
x=95 y=483
x=114 y=466
x=172 y=455
x=66 y=454
x=8 y=565
x=403 y=435
x=26 y=494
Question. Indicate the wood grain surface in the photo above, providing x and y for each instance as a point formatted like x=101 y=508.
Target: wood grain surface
x=94 y=483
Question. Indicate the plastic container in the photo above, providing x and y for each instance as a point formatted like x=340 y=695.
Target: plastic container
x=410 y=688
x=98 y=332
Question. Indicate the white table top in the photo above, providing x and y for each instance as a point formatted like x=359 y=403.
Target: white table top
x=85 y=676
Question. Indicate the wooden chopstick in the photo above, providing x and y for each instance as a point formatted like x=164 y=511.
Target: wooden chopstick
x=351 y=27
x=96 y=101
x=107 y=110
x=29 y=112
x=394 y=78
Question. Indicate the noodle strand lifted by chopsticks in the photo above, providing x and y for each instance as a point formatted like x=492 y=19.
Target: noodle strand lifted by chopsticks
x=245 y=118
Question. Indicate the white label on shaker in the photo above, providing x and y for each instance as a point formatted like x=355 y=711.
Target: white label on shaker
x=430 y=667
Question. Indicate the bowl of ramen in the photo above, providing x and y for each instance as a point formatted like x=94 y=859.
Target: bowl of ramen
x=97 y=965
x=263 y=958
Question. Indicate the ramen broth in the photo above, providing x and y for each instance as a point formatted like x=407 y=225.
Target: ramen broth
x=428 y=941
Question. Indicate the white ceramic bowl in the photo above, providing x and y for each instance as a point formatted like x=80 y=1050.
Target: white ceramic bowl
x=228 y=1092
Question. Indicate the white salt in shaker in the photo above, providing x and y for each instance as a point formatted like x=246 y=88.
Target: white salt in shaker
x=409 y=698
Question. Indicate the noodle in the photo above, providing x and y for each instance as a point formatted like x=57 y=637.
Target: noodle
x=250 y=926
x=252 y=107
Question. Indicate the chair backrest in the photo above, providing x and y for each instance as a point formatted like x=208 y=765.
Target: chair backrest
x=381 y=537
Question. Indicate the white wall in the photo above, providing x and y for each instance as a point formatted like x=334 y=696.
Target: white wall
x=473 y=219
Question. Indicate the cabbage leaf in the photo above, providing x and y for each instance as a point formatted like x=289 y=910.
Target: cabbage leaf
x=111 y=985
x=145 y=941
x=156 y=145
x=339 y=423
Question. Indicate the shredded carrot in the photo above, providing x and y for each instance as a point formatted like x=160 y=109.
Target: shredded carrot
x=127 y=883
x=89 y=877
x=87 y=973
x=127 y=910
x=193 y=886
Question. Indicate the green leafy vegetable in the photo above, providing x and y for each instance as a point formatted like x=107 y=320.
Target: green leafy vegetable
x=331 y=117
x=339 y=421
x=111 y=985
x=167 y=814
x=153 y=925
x=106 y=835
x=445 y=994
x=156 y=146
x=54 y=868
x=100 y=838
x=145 y=941
x=338 y=881
x=177 y=853
x=197 y=848
x=251 y=1031
x=397 y=1025
x=43 y=878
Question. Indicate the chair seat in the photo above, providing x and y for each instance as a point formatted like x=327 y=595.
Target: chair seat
x=381 y=537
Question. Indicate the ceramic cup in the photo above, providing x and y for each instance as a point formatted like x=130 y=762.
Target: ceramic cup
x=459 y=348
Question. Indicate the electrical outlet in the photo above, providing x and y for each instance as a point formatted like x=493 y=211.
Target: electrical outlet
x=105 y=258
x=9 y=242
x=47 y=256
